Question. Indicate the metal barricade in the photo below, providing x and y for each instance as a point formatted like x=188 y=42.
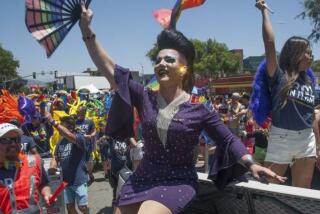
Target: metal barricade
x=55 y=180
x=253 y=197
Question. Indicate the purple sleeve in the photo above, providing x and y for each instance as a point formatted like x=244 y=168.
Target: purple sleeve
x=229 y=150
x=128 y=94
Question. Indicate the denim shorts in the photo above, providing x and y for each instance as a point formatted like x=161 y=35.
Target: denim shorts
x=287 y=145
x=76 y=194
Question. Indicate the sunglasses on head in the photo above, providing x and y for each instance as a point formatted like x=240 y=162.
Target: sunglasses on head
x=9 y=140
x=168 y=59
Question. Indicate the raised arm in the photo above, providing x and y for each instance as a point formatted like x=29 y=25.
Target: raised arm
x=268 y=38
x=64 y=131
x=98 y=55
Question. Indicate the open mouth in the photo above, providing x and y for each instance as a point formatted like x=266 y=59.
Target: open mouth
x=162 y=72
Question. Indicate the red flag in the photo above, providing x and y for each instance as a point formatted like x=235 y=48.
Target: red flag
x=168 y=18
x=57 y=192
x=185 y=4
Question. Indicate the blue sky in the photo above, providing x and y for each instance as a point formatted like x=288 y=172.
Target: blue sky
x=127 y=29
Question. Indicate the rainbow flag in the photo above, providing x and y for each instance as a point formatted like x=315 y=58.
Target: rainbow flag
x=153 y=84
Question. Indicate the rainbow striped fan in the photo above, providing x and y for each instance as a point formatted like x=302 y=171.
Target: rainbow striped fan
x=49 y=21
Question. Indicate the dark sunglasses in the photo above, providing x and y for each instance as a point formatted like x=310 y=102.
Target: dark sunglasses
x=9 y=140
x=168 y=59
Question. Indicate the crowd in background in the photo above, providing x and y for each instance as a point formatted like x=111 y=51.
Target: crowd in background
x=89 y=114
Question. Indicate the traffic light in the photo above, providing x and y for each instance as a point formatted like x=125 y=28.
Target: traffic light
x=54 y=86
x=34 y=75
x=55 y=74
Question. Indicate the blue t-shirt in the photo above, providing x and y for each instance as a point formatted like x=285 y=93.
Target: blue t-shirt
x=72 y=159
x=120 y=154
x=27 y=143
x=297 y=113
x=85 y=127
x=41 y=136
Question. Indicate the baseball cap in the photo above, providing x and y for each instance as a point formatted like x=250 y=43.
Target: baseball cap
x=6 y=127
x=235 y=95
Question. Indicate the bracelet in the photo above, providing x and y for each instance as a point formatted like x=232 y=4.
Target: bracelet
x=54 y=123
x=90 y=37
x=249 y=162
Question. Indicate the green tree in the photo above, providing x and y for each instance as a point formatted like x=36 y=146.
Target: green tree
x=316 y=65
x=212 y=58
x=312 y=11
x=8 y=65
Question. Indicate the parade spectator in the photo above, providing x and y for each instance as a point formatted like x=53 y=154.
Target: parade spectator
x=103 y=143
x=234 y=109
x=27 y=143
x=291 y=138
x=58 y=104
x=243 y=113
x=260 y=137
x=41 y=132
x=217 y=102
x=136 y=150
x=71 y=156
x=22 y=176
x=165 y=180
x=87 y=128
x=120 y=158
x=223 y=111
x=246 y=134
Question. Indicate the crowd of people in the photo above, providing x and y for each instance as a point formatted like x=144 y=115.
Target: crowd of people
x=156 y=134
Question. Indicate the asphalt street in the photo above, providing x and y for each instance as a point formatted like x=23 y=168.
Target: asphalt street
x=100 y=195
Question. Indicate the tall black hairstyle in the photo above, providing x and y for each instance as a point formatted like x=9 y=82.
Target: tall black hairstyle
x=173 y=39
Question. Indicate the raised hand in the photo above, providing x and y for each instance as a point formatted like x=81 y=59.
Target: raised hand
x=262 y=5
x=86 y=17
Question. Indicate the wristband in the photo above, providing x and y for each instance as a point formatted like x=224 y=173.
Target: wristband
x=90 y=37
x=249 y=162
x=54 y=123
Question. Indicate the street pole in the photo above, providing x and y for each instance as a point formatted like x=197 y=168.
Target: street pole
x=142 y=72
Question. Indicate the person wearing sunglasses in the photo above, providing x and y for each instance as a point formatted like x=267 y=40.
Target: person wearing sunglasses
x=22 y=176
x=166 y=179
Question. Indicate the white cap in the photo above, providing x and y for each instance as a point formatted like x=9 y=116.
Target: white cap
x=235 y=95
x=6 y=127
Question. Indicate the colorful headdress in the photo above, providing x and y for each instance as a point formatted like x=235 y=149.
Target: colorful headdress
x=9 y=108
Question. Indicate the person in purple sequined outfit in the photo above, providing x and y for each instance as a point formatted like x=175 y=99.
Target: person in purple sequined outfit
x=166 y=179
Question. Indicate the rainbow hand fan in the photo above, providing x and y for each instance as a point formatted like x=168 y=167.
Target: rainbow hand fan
x=168 y=18
x=49 y=21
